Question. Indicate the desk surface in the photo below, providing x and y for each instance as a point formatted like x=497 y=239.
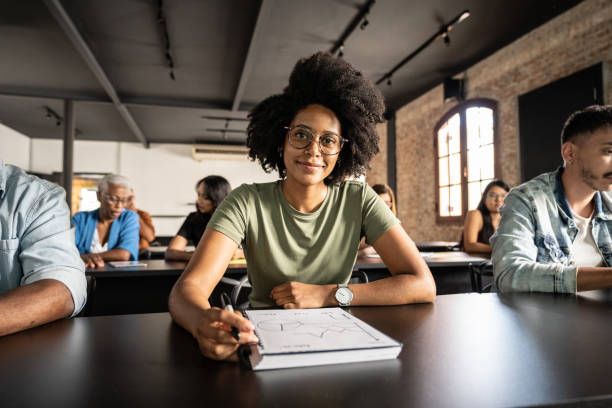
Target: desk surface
x=155 y=267
x=161 y=267
x=463 y=350
x=437 y=246
x=433 y=259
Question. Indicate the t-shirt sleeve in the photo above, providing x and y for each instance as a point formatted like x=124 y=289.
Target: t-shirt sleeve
x=129 y=235
x=185 y=229
x=230 y=218
x=377 y=218
x=78 y=221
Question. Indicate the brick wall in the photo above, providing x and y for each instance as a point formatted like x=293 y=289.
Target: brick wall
x=569 y=43
x=378 y=173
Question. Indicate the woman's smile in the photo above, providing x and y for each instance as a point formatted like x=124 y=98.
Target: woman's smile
x=310 y=166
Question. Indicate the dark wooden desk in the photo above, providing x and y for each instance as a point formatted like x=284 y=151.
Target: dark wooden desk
x=138 y=289
x=468 y=350
x=155 y=267
x=437 y=246
x=452 y=271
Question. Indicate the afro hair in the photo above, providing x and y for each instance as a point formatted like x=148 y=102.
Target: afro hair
x=333 y=83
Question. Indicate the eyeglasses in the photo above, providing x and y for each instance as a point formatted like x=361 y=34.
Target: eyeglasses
x=493 y=196
x=116 y=200
x=329 y=143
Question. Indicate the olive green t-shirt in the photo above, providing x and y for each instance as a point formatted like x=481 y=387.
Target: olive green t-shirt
x=282 y=244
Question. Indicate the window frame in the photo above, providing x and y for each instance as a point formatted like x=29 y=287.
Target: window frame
x=461 y=110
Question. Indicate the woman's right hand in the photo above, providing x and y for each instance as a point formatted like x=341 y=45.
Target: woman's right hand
x=214 y=336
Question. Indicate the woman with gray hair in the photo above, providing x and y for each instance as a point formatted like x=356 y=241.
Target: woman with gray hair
x=109 y=233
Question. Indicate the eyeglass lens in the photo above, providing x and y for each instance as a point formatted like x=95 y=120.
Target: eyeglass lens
x=302 y=138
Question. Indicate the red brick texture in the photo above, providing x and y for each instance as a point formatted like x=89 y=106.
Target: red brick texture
x=569 y=43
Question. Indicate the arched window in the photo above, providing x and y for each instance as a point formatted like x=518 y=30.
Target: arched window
x=464 y=144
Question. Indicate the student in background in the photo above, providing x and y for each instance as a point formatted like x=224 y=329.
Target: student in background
x=211 y=191
x=109 y=233
x=147 y=230
x=301 y=233
x=482 y=222
x=555 y=231
x=386 y=194
x=42 y=278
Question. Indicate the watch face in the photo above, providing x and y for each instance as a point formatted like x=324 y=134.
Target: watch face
x=343 y=296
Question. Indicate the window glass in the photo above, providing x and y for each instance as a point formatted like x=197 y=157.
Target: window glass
x=444 y=202
x=443 y=171
x=473 y=150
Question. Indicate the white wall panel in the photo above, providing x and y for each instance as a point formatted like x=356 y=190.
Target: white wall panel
x=14 y=147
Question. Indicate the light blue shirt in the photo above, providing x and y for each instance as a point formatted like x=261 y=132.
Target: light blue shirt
x=36 y=241
x=532 y=245
x=124 y=231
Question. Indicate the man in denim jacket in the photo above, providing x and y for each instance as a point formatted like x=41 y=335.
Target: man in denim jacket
x=42 y=277
x=555 y=230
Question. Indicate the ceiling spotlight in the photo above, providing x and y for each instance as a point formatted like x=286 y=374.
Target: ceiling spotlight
x=389 y=81
x=446 y=39
x=364 y=24
x=58 y=122
x=341 y=52
x=463 y=16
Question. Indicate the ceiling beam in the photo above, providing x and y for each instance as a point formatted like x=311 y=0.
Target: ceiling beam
x=45 y=93
x=77 y=40
x=217 y=110
x=262 y=19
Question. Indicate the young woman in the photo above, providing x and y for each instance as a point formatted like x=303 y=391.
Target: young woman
x=386 y=194
x=211 y=191
x=301 y=234
x=482 y=222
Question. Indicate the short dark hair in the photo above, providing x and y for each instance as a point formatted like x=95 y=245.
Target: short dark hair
x=217 y=188
x=587 y=120
x=333 y=83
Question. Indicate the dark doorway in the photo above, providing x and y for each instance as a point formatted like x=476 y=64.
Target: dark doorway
x=542 y=113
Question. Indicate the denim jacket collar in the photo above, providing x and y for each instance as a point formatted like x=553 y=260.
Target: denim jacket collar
x=564 y=207
x=559 y=192
x=2 y=178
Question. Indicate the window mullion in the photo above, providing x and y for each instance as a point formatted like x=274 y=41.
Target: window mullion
x=464 y=164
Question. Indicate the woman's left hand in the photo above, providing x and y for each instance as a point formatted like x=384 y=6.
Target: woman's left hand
x=296 y=295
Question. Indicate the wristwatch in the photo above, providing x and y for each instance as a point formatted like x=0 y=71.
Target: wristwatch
x=343 y=295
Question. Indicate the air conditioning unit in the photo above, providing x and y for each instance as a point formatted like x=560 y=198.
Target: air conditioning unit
x=219 y=152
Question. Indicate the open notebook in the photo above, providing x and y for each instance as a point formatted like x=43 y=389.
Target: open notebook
x=307 y=337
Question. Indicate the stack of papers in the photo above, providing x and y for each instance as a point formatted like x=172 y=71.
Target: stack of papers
x=308 y=337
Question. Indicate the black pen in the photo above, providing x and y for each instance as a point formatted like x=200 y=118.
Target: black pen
x=226 y=303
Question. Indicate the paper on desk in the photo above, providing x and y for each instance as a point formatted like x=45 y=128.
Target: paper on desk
x=312 y=330
x=123 y=264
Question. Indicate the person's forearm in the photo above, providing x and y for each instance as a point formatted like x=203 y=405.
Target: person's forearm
x=147 y=232
x=476 y=247
x=32 y=305
x=593 y=278
x=117 y=254
x=176 y=255
x=399 y=289
x=186 y=304
x=368 y=250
